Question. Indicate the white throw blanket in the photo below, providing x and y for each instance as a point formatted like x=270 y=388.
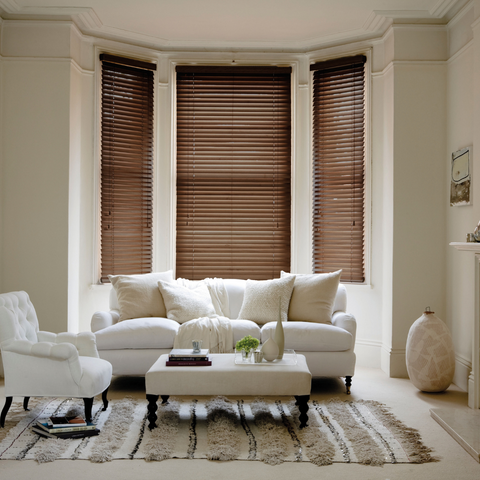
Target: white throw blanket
x=215 y=332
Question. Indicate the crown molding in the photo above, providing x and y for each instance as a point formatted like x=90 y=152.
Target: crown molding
x=89 y=23
x=442 y=8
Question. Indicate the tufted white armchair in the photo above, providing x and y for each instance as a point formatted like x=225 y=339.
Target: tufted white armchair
x=44 y=364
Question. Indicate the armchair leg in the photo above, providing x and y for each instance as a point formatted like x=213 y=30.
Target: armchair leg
x=8 y=402
x=348 y=383
x=105 y=399
x=25 y=403
x=88 y=408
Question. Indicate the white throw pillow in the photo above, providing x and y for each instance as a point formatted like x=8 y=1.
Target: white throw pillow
x=263 y=299
x=184 y=304
x=138 y=295
x=313 y=296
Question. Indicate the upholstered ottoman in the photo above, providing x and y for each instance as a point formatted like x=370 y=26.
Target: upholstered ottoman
x=224 y=377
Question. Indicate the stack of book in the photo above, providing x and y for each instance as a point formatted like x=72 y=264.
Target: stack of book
x=184 y=357
x=65 y=427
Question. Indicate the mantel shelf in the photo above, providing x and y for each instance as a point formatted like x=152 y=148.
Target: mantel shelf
x=469 y=247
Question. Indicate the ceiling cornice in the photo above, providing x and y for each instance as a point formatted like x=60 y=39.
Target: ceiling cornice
x=89 y=23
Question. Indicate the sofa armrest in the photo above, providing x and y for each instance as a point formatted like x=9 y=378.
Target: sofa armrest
x=346 y=321
x=101 y=320
x=85 y=342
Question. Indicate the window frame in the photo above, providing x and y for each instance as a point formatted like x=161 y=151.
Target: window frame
x=164 y=192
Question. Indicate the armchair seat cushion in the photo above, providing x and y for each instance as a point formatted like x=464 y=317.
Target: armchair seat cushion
x=311 y=337
x=150 y=332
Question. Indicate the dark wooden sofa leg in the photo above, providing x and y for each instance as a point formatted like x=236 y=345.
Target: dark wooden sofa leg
x=88 y=408
x=105 y=399
x=348 y=383
x=25 y=403
x=8 y=402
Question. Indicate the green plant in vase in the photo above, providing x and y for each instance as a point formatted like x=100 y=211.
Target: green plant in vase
x=247 y=343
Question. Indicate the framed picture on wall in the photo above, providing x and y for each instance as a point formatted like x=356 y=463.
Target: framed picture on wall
x=461 y=178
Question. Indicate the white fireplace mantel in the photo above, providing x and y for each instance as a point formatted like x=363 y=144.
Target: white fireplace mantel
x=463 y=424
x=467 y=247
x=474 y=380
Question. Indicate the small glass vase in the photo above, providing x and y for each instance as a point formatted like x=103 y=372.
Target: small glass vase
x=247 y=355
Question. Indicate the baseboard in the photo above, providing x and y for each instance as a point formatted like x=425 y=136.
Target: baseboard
x=393 y=362
x=463 y=367
x=368 y=353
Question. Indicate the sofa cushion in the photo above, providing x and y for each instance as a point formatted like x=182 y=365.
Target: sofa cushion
x=264 y=299
x=242 y=328
x=311 y=337
x=138 y=295
x=235 y=290
x=313 y=297
x=184 y=304
x=147 y=332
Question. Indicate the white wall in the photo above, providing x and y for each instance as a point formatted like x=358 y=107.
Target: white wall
x=419 y=197
x=35 y=118
x=53 y=136
x=462 y=131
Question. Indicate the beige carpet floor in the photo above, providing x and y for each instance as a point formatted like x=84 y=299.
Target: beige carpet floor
x=407 y=403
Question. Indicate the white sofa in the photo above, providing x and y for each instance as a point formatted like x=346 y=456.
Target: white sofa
x=132 y=346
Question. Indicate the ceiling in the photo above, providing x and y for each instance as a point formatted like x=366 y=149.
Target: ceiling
x=280 y=25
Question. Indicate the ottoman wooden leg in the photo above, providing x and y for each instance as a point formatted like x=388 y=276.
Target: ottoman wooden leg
x=152 y=408
x=302 y=403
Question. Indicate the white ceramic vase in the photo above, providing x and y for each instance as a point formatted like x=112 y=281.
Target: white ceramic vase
x=430 y=355
x=279 y=335
x=270 y=350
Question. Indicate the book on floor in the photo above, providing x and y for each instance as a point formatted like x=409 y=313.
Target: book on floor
x=66 y=421
x=65 y=435
x=73 y=428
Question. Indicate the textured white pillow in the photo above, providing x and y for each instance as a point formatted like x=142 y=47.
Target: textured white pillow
x=184 y=304
x=313 y=296
x=262 y=300
x=138 y=295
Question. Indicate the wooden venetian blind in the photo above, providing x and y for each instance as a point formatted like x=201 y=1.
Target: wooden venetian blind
x=233 y=172
x=338 y=167
x=126 y=166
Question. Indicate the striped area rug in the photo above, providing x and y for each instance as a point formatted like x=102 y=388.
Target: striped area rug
x=250 y=429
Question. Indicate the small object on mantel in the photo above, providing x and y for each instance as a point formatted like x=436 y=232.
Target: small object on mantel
x=476 y=233
x=470 y=238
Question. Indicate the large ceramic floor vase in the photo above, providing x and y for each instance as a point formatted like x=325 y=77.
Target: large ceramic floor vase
x=430 y=356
